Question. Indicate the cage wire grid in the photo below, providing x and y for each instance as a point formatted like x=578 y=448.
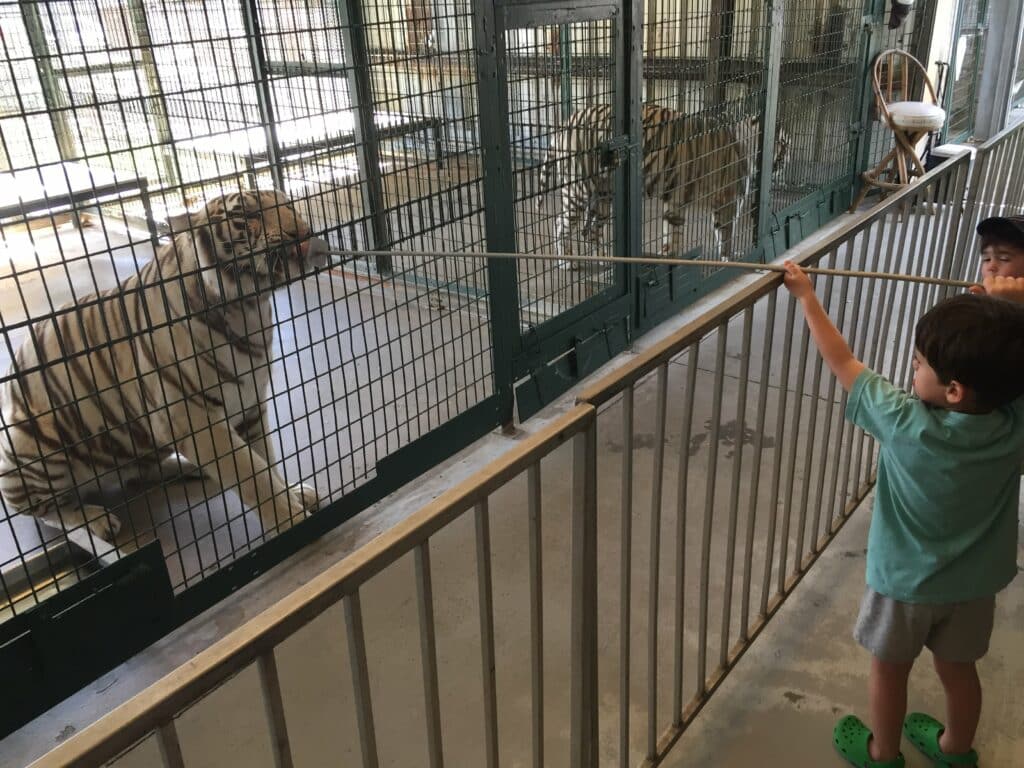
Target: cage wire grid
x=707 y=64
x=366 y=115
x=200 y=99
x=561 y=91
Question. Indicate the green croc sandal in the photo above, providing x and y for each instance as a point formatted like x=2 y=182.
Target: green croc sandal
x=851 y=738
x=924 y=731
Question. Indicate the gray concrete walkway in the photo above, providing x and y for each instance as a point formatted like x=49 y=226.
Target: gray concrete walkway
x=779 y=705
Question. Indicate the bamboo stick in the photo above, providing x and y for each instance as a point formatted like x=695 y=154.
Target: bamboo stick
x=743 y=265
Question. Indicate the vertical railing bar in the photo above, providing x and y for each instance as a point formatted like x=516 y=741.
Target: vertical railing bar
x=855 y=436
x=952 y=221
x=918 y=266
x=1015 y=149
x=762 y=407
x=969 y=216
x=880 y=335
x=908 y=293
x=972 y=212
x=655 y=560
x=809 y=453
x=864 y=441
x=780 y=431
x=988 y=184
x=486 y=608
x=1001 y=184
x=847 y=261
x=734 y=493
x=583 y=705
x=533 y=480
x=270 y=685
x=709 y=507
x=360 y=679
x=625 y=589
x=887 y=291
x=428 y=654
x=682 y=488
x=170 y=747
x=794 y=443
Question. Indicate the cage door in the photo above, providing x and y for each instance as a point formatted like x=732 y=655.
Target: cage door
x=566 y=152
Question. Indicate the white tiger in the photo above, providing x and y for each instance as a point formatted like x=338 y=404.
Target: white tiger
x=689 y=162
x=175 y=360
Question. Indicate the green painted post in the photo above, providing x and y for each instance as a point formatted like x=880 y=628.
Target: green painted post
x=565 y=51
x=502 y=276
x=360 y=90
x=629 y=182
x=769 y=116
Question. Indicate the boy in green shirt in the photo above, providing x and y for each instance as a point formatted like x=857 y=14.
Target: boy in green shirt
x=943 y=536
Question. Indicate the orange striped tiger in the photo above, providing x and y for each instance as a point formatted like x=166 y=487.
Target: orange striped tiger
x=689 y=161
x=175 y=360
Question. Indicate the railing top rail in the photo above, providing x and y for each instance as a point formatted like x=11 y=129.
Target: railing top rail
x=614 y=383
x=1004 y=135
x=147 y=710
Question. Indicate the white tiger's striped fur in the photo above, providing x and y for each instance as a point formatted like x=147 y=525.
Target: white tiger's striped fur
x=175 y=360
x=687 y=162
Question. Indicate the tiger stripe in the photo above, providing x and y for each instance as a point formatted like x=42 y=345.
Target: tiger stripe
x=687 y=160
x=173 y=360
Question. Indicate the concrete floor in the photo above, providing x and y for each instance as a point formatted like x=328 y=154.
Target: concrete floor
x=776 y=707
x=805 y=671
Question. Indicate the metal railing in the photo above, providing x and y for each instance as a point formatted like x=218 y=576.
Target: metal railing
x=740 y=529
x=764 y=512
x=996 y=189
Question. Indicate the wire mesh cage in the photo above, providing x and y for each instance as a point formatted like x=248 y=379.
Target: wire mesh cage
x=819 y=88
x=119 y=117
x=182 y=357
x=561 y=91
x=706 y=62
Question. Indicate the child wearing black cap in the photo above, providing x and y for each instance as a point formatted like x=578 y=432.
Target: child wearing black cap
x=1002 y=257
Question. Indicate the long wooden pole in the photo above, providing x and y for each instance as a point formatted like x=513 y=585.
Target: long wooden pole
x=707 y=264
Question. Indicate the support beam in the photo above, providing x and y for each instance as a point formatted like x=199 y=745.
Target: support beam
x=56 y=105
x=995 y=90
x=157 y=102
x=360 y=90
x=769 y=116
x=264 y=97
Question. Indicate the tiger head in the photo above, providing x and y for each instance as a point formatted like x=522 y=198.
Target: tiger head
x=250 y=241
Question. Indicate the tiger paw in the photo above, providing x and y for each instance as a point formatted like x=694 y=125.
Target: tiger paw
x=102 y=523
x=308 y=498
x=288 y=507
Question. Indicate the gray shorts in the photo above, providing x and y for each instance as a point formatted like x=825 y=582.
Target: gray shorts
x=896 y=632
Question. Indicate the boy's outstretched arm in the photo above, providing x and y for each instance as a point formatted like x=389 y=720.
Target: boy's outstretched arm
x=833 y=347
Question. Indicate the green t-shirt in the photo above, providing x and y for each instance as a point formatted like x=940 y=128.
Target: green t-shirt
x=944 y=528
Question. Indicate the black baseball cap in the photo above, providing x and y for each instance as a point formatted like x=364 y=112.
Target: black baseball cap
x=1009 y=229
